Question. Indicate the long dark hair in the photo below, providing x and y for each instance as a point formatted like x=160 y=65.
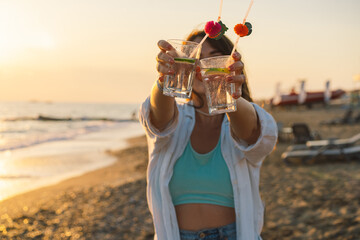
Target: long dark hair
x=225 y=46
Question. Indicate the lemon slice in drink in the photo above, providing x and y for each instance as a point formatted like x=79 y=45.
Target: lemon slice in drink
x=185 y=60
x=217 y=71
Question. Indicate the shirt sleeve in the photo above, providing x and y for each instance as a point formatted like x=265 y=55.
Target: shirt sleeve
x=151 y=130
x=255 y=153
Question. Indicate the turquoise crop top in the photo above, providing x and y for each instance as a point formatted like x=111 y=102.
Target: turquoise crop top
x=201 y=178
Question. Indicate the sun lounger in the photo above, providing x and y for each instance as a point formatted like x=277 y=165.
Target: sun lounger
x=344 y=148
x=309 y=154
x=285 y=134
x=302 y=133
x=357 y=118
x=336 y=142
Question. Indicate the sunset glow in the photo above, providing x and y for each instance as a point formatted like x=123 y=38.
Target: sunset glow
x=105 y=51
x=18 y=35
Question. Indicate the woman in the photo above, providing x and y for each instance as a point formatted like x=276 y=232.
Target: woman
x=215 y=198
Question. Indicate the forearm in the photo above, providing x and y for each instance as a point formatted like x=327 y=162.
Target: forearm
x=244 y=122
x=162 y=108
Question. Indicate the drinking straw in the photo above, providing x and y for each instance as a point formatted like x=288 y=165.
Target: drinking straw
x=197 y=47
x=221 y=3
x=247 y=12
x=246 y=15
x=235 y=44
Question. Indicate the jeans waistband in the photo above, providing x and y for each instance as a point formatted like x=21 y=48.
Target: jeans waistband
x=224 y=232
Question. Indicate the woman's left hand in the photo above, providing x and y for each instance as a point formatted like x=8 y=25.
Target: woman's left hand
x=238 y=77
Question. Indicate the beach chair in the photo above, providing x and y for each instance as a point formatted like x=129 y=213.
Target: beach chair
x=284 y=133
x=342 y=142
x=346 y=153
x=302 y=133
x=357 y=118
x=331 y=148
x=347 y=117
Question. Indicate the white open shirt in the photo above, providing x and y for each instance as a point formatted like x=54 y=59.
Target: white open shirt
x=243 y=160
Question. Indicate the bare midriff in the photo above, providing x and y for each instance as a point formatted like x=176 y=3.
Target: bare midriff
x=197 y=216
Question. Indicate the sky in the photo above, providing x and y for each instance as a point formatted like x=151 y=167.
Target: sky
x=105 y=51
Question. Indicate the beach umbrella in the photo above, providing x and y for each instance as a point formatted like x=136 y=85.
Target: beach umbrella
x=277 y=97
x=302 y=93
x=327 y=93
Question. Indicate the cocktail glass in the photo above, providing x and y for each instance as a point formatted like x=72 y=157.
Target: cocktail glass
x=180 y=83
x=214 y=71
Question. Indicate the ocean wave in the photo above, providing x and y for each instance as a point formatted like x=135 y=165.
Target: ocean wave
x=11 y=177
x=44 y=135
x=25 y=124
x=62 y=119
x=30 y=142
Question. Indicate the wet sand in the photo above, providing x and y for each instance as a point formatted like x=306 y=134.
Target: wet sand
x=313 y=201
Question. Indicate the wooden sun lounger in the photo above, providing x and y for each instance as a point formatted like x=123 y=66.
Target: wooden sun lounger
x=310 y=154
x=344 y=148
x=315 y=144
x=334 y=142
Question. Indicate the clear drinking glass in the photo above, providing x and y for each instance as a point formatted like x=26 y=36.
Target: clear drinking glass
x=180 y=83
x=214 y=71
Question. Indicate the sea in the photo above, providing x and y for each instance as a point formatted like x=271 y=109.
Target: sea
x=43 y=143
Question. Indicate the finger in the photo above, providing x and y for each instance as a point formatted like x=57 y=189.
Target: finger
x=165 y=46
x=161 y=77
x=238 y=79
x=236 y=94
x=198 y=73
x=164 y=58
x=238 y=91
x=236 y=56
x=198 y=69
x=237 y=67
x=172 y=53
x=165 y=69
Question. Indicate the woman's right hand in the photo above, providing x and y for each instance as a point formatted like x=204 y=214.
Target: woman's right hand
x=165 y=59
x=162 y=107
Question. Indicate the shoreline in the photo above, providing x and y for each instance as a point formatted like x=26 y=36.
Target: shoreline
x=102 y=204
x=28 y=169
x=87 y=179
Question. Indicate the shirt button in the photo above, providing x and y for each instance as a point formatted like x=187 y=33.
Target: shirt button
x=202 y=235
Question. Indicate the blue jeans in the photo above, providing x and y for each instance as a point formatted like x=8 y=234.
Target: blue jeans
x=227 y=232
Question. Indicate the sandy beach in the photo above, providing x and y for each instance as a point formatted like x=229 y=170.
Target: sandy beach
x=313 y=201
